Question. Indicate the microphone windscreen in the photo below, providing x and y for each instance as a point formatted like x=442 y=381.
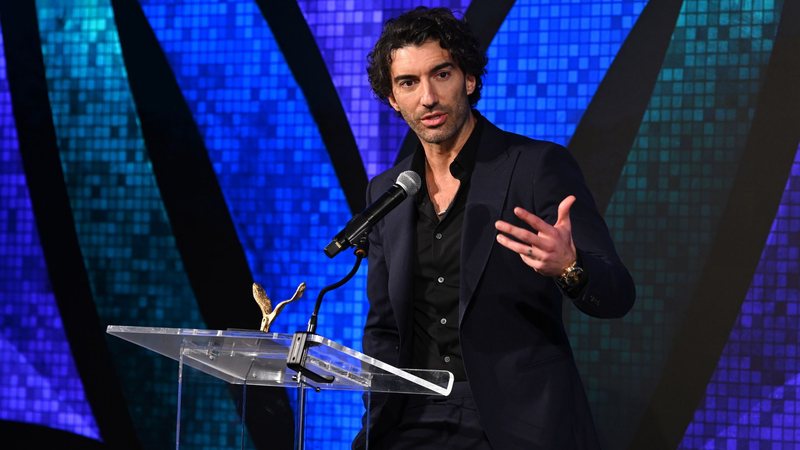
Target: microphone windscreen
x=409 y=181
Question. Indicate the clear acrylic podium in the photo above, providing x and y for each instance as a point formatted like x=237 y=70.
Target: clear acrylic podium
x=255 y=358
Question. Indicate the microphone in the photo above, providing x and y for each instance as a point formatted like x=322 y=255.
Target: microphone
x=407 y=184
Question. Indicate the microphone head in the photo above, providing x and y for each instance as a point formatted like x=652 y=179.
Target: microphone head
x=409 y=181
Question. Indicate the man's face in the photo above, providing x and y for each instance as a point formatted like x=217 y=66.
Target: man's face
x=430 y=92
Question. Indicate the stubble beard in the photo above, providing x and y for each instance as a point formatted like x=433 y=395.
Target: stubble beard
x=456 y=119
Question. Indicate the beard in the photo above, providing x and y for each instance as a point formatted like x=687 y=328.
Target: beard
x=456 y=118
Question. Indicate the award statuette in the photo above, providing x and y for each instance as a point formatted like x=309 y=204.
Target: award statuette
x=268 y=314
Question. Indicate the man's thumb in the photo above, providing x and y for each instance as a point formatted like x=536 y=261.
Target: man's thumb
x=563 y=211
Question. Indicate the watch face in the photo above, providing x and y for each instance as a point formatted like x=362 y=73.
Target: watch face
x=570 y=279
x=573 y=277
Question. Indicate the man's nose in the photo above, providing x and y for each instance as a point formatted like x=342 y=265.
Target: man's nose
x=429 y=96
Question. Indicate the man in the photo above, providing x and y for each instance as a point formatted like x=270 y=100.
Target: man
x=470 y=275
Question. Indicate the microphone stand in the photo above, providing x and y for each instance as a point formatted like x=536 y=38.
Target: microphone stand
x=298 y=351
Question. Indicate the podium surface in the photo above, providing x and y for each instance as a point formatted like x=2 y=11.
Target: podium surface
x=256 y=358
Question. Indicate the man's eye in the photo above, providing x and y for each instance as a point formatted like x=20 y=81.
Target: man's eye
x=443 y=75
x=406 y=83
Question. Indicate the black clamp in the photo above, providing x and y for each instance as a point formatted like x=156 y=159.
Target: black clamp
x=296 y=359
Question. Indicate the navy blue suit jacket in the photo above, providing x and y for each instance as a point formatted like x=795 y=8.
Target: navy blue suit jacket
x=516 y=354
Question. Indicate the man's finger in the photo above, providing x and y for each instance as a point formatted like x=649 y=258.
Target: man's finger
x=520 y=234
x=532 y=219
x=520 y=247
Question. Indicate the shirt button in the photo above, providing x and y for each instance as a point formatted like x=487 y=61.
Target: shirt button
x=443 y=321
x=438 y=235
x=440 y=279
x=447 y=359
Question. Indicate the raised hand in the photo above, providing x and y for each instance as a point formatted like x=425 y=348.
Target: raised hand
x=548 y=249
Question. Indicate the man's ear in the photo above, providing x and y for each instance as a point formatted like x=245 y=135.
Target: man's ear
x=392 y=102
x=470 y=81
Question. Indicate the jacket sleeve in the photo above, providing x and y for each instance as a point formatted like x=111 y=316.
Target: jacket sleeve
x=610 y=290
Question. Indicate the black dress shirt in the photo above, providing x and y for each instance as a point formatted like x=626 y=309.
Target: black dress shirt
x=437 y=265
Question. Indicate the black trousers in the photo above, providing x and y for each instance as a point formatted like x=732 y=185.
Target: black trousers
x=438 y=423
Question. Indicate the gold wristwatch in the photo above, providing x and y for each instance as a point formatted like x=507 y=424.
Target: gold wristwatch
x=571 y=278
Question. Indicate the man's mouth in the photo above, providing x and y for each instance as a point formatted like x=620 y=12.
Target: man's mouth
x=433 y=119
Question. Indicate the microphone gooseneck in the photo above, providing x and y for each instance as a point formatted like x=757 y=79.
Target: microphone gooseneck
x=354 y=234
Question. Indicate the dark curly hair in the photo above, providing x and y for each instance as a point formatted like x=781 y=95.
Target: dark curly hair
x=417 y=27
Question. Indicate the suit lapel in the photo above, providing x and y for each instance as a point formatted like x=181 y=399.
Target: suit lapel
x=400 y=230
x=488 y=189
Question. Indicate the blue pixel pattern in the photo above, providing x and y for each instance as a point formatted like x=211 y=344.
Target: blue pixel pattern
x=40 y=383
x=135 y=272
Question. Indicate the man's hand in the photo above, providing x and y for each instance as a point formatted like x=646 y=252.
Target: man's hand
x=548 y=249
